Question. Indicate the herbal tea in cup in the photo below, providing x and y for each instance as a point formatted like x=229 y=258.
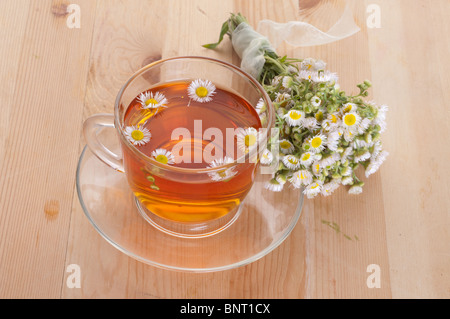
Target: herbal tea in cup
x=191 y=130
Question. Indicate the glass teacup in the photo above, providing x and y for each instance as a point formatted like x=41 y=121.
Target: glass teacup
x=191 y=131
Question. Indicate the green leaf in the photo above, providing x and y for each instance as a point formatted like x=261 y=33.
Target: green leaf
x=224 y=31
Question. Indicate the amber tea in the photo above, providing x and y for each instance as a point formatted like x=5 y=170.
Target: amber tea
x=190 y=125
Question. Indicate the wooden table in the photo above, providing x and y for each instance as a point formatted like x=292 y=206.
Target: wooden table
x=53 y=77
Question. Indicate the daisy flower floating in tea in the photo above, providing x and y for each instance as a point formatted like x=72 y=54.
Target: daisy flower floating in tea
x=137 y=135
x=201 y=90
x=163 y=156
x=148 y=100
x=325 y=134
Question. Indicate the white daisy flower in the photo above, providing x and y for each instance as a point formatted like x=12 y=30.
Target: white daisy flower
x=326 y=77
x=136 y=135
x=247 y=139
x=274 y=186
x=349 y=107
x=313 y=189
x=306 y=75
x=310 y=123
x=149 y=100
x=287 y=82
x=163 y=156
x=364 y=125
x=318 y=143
x=291 y=162
x=350 y=121
x=332 y=122
x=330 y=159
x=349 y=135
x=224 y=174
x=260 y=106
x=316 y=101
x=355 y=190
x=362 y=157
x=286 y=146
x=308 y=64
x=329 y=188
x=306 y=159
x=347 y=152
x=372 y=168
x=333 y=140
x=316 y=168
x=283 y=99
x=201 y=90
x=347 y=180
x=294 y=117
x=302 y=177
x=266 y=157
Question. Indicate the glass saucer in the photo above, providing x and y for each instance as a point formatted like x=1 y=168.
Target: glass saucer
x=265 y=220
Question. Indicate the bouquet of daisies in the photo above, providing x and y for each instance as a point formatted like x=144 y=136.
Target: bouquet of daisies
x=325 y=135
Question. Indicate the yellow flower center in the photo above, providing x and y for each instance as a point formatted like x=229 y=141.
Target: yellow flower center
x=201 y=91
x=302 y=175
x=250 y=140
x=348 y=108
x=333 y=118
x=293 y=160
x=295 y=115
x=319 y=116
x=350 y=119
x=306 y=156
x=314 y=186
x=137 y=135
x=151 y=101
x=285 y=145
x=317 y=167
x=316 y=142
x=222 y=173
x=162 y=159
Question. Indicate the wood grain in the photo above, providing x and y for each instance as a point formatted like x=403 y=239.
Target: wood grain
x=53 y=77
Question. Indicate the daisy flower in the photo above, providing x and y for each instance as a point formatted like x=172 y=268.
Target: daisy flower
x=329 y=188
x=260 y=106
x=325 y=77
x=302 y=177
x=294 y=117
x=316 y=168
x=310 y=123
x=349 y=107
x=247 y=139
x=149 y=100
x=224 y=174
x=332 y=122
x=287 y=83
x=313 y=189
x=318 y=143
x=347 y=180
x=306 y=159
x=291 y=162
x=286 y=146
x=315 y=101
x=350 y=121
x=163 y=156
x=283 y=99
x=201 y=90
x=266 y=157
x=306 y=75
x=136 y=135
x=355 y=190
x=274 y=186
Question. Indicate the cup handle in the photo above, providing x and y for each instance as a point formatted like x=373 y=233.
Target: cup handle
x=91 y=128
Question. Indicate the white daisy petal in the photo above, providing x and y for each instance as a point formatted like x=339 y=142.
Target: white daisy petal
x=313 y=189
x=302 y=177
x=318 y=143
x=274 y=186
x=266 y=157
